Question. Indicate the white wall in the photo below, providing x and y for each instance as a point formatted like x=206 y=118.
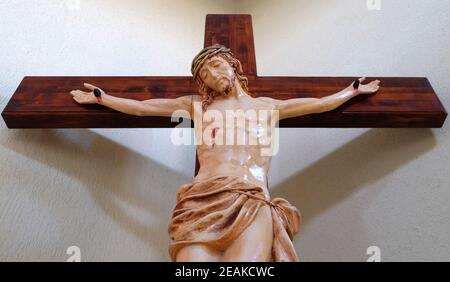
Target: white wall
x=111 y=192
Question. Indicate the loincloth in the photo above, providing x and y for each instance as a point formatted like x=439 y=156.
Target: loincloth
x=216 y=211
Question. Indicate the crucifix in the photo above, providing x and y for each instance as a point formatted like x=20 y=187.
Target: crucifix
x=226 y=213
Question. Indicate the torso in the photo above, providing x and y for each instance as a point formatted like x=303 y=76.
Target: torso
x=241 y=159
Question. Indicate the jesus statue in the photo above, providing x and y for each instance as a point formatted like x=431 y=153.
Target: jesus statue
x=226 y=213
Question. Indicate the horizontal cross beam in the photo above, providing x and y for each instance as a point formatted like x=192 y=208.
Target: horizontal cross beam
x=45 y=102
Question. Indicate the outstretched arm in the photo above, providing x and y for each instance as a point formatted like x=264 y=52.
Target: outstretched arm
x=152 y=107
x=304 y=106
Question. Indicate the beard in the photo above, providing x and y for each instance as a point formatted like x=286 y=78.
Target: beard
x=209 y=94
x=228 y=87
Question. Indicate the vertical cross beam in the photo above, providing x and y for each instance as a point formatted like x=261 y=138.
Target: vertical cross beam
x=235 y=32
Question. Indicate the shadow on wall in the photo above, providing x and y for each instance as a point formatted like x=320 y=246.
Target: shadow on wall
x=318 y=187
x=112 y=185
x=367 y=158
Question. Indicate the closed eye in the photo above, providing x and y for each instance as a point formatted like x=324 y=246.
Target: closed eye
x=215 y=63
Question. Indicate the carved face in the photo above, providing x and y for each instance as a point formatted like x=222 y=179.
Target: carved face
x=218 y=74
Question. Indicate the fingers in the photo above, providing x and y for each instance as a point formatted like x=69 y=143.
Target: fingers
x=78 y=92
x=90 y=86
x=373 y=89
x=80 y=96
x=77 y=98
x=74 y=92
x=369 y=88
x=375 y=84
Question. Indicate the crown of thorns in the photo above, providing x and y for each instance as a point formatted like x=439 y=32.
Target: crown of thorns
x=205 y=54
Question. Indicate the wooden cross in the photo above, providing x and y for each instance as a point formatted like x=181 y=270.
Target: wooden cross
x=44 y=102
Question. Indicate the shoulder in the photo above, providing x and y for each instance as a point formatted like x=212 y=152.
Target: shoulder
x=192 y=102
x=196 y=98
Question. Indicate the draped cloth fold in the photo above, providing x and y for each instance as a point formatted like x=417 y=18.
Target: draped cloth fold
x=216 y=211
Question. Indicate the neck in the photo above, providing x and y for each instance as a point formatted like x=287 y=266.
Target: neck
x=237 y=92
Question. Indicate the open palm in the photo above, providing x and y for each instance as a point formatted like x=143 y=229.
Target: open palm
x=83 y=97
x=370 y=88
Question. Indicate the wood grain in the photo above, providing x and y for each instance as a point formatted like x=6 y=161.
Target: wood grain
x=45 y=102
